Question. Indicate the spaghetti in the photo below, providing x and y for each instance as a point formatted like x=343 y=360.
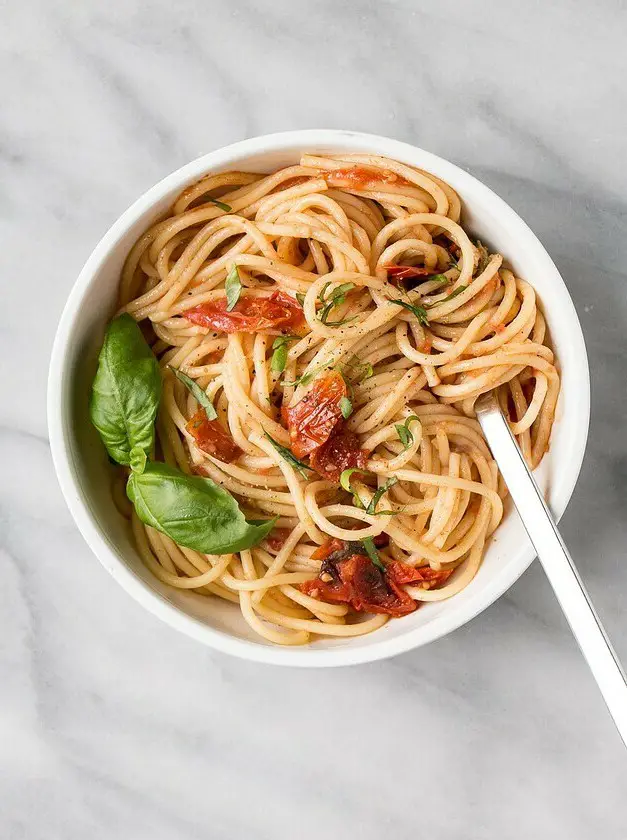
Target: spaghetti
x=340 y=324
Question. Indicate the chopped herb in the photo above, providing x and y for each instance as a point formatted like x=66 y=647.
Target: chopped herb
x=233 y=288
x=338 y=297
x=306 y=378
x=356 y=371
x=197 y=391
x=345 y=477
x=346 y=407
x=441 y=278
x=345 y=481
x=404 y=434
x=372 y=507
x=484 y=257
x=279 y=357
x=452 y=295
x=419 y=311
x=287 y=455
x=300 y=297
x=226 y=207
x=373 y=554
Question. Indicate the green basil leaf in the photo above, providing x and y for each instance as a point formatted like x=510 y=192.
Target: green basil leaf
x=233 y=288
x=345 y=481
x=419 y=311
x=126 y=391
x=338 y=296
x=373 y=554
x=355 y=371
x=197 y=391
x=138 y=459
x=306 y=378
x=288 y=456
x=452 y=295
x=372 y=507
x=226 y=207
x=345 y=478
x=404 y=434
x=279 y=357
x=300 y=297
x=484 y=258
x=441 y=278
x=346 y=407
x=192 y=510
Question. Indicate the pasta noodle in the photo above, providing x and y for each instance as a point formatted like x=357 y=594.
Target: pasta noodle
x=405 y=314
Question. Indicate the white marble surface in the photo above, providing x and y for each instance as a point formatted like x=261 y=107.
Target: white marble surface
x=111 y=724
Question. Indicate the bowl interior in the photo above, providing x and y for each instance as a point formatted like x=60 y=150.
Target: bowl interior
x=85 y=473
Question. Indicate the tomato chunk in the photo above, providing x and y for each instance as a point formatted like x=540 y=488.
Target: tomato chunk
x=312 y=421
x=339 y=453
x=348 y=576
x=407 y=272
x=425 y=577
x=277 y=313
x=362 y=177
x=212 y=437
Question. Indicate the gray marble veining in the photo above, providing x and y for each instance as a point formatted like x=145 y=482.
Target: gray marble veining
x=111 y=724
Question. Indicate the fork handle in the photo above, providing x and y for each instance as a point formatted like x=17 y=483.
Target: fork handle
x=557 y=563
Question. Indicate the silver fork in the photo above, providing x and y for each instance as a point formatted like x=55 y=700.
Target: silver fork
x=557 y=562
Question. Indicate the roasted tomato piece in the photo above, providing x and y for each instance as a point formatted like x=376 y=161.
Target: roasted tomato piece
x=273 y=315
x=403 y=574
x=349 y=576
x=405 y=272
x=312 y=421
x=277 y=537
x=212 y=437
x=339 y=453
x=362 y=177
x=354 y=579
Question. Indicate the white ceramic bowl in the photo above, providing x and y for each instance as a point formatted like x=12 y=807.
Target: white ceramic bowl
x=83 y=470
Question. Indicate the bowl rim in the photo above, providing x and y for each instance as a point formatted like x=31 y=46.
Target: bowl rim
x=96 y=537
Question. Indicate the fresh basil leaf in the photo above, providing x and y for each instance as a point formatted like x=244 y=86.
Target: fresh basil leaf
x=345 y=481
x=372 y=507
x=452 y=295
x=419 y=311
x=373 y=554
x=338 y=296
x=345 y=478
x=197 y=391
x=192 y=510
x=484 y=257
x=404 y=434
x=126 y=391
x=355 y=371
x=300 y=297
x=226 y=207
x=233 y=288
x=346 y=407
x=288 y=456
x=279 y=357
x=138 y=459
x=441 y=278
x=306 y=378
x=323 y=292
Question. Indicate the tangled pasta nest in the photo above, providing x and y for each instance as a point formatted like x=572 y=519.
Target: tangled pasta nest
x=405 y=316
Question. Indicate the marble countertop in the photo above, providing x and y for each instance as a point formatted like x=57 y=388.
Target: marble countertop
x=111 y=723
